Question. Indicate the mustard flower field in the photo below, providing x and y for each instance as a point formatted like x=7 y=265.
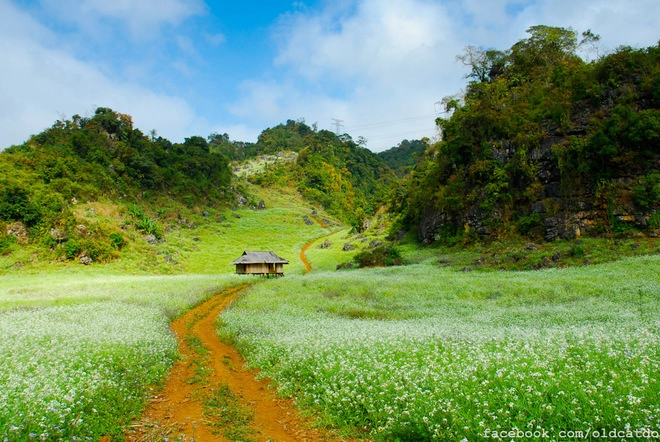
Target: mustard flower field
x=422 y=352
x=79 y=353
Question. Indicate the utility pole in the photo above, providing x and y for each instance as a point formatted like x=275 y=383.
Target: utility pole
x=337 y=125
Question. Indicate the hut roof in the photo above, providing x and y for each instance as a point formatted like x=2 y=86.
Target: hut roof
x=249 y=257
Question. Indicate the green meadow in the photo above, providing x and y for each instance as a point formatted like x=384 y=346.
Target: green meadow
x=417 y=352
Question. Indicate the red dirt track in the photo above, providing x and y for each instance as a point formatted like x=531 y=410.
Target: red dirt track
x=176 y=412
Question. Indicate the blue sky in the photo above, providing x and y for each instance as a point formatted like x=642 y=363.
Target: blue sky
x=194 y=67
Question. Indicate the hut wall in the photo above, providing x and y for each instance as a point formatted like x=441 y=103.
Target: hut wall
x=259 y=269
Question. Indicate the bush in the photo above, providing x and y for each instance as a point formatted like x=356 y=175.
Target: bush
x=71 y=249
x=382 y=256
x=117 y=240
x=525 y=224
x=15 y=205
x=97 y=248
x=647 y=192
x=6 y=242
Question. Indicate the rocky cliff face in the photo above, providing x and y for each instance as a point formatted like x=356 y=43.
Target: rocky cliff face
x=563 y=208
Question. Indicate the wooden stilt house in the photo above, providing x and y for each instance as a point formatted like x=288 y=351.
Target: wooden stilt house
x=260 y=263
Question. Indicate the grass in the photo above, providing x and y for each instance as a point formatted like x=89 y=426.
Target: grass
x=83 y=344
x=79 y=371
x=520 y=254
x=227 y=415
x=424 y=352
x=80 y=360
x=192 y=243
x=409 y=353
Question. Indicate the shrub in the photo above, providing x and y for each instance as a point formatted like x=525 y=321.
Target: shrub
x=71 y=249
x=15 y=205
x=381 y=256
x=647 y=191
x=117 y=240
x=6 y=242
x=654 y=220
x=98 y=249
x=525 y=224
x=148 y=226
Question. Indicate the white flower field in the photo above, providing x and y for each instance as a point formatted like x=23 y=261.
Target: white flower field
x=408 y=353
x=79 y=362
x=422 y=353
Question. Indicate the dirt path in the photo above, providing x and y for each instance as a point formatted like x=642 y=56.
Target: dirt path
x=303 y=258
x=210 y=397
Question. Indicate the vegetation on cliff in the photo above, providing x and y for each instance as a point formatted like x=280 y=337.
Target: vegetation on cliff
x=543 y=144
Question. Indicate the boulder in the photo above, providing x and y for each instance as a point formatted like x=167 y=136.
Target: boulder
x=59 y=235
x=151 y=239
x=19 y=231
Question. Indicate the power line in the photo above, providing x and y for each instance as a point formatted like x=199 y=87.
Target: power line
x=399 y=134
x=392 y=122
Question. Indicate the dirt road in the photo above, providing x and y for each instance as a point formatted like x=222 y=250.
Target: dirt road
x=190 y=407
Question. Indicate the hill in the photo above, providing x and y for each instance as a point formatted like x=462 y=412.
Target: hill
x=97 y=189
x=404 y=156
x=57 y=181
x=544 y=145
x=333 y=171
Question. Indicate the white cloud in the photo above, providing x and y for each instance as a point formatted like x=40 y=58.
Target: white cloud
x=143 y=18
x=369 y=61
x=39 y=84
x=382 y=62
x=215 y=39
x=619 y=22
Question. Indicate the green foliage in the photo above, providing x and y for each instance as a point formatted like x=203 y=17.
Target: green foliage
x=143 y=222
x=381 y=256
x=335 y=172
x=72 y=248
x=402 y=157
x=147 y=225
x=654 y=221
x=15 y=205
x=6 y=243
x=647 y=192
x=537 y=107
x=527 y=223
x=478 y=349
x=87 y=157
x=117 y=240
x=283 y=137
x=105 y=158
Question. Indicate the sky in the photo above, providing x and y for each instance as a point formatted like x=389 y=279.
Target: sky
x=375 y=69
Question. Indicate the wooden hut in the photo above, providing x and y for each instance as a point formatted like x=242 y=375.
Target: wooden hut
x=260 y=263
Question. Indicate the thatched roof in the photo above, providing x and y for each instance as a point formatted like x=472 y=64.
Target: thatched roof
x=249 y=257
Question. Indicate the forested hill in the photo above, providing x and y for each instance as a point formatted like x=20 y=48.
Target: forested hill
x=102 y=158
x=332 y=170
x=404 y=156
x=105 y=159
x=543 y=144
